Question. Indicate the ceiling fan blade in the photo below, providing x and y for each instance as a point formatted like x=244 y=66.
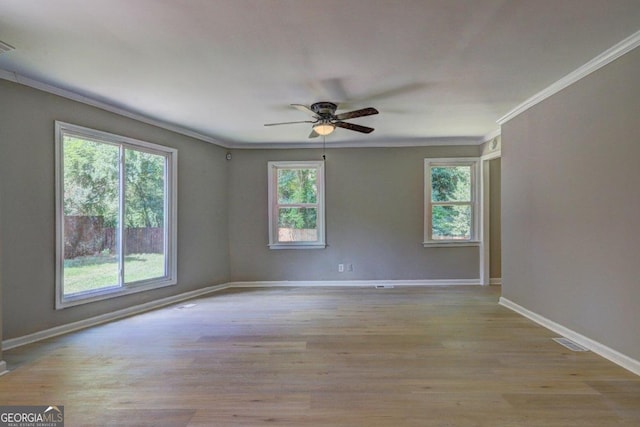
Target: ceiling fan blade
x=393 y=92
x=357 y=113
x=304 y=109
x=331 y=88
x=314 y=134
x=288 y=123
x=352 y=126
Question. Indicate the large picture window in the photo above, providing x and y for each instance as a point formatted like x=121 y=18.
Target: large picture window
x=296 y=205
x=451 y=202
x=116 y=215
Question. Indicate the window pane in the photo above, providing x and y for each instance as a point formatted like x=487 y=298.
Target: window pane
x=297 y=186
x=451 y=222
x=90 y=229
x=297 y=224
x=144 y=216
x=451 y=183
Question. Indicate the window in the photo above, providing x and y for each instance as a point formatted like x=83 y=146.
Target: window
x=115 y=215
x=451 y=202
x=296 y=205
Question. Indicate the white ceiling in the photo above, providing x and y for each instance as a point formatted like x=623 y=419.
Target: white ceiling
x=438 y=70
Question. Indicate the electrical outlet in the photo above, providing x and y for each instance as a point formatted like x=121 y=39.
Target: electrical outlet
x=340 y=268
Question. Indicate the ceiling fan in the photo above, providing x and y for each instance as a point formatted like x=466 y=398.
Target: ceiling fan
x=326 y=120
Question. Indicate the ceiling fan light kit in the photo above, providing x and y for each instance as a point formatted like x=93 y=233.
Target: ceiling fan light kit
x=326 y=119
x=324 y=129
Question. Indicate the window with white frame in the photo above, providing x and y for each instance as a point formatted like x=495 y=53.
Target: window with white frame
x=296 y=205
x=451 y=202
x=115 y=215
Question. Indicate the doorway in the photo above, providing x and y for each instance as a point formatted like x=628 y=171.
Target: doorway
x=491 y=253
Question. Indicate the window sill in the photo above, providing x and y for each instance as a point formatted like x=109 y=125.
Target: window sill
x=451 y=244
x=297 y=246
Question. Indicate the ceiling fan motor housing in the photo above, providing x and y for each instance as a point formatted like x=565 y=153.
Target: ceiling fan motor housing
x=324 y=109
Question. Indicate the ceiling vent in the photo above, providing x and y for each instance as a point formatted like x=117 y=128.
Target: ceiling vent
x=5 y=47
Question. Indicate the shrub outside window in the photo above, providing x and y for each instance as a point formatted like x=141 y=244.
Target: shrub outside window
x=115 y=215
x=296 y=205
x=451 y=202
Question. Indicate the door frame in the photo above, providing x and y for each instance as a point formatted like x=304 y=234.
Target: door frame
x=485 y=246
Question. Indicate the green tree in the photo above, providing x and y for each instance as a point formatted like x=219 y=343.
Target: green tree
x=144 y=195
x=91 y=174
x=91 y=183
x=297 y=186
x=451 y=184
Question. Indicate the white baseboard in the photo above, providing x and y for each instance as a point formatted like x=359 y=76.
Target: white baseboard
x=598 y=348
x=107 y=317
x=119 y=314
x=3 y=368
x=354 y=283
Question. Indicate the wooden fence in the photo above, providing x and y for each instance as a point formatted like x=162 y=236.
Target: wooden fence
x=87 y=236
x=297 y=234
x=138 y=240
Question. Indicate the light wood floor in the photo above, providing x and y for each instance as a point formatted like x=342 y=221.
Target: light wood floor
x=442 y=356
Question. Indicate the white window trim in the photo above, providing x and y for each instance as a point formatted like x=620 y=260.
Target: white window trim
x=476 y=207
x=171 y=209
x=273 y=204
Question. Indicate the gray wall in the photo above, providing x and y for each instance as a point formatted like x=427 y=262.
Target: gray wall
x=2 y=364
x=374 y=218
x=571 y=206
x=27 y=217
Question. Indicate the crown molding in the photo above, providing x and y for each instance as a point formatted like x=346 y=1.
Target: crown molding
x=417 y=142
x=493 y=134
x=74 y=96
x=596 y=63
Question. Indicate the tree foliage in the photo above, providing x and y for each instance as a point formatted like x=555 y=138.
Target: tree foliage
x=91 y=175
x=451 y=184
x=297 y=187
x=91 y=183
x=144 y=200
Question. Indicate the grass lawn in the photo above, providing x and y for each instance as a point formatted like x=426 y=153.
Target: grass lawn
x=90 y=273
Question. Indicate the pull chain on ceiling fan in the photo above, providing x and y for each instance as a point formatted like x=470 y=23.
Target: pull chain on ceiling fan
x=326 y=119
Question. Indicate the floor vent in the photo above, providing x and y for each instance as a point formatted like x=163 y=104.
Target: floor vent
x=182 y=307
x=571 y=345
x=5 y=47
x=384 y=286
